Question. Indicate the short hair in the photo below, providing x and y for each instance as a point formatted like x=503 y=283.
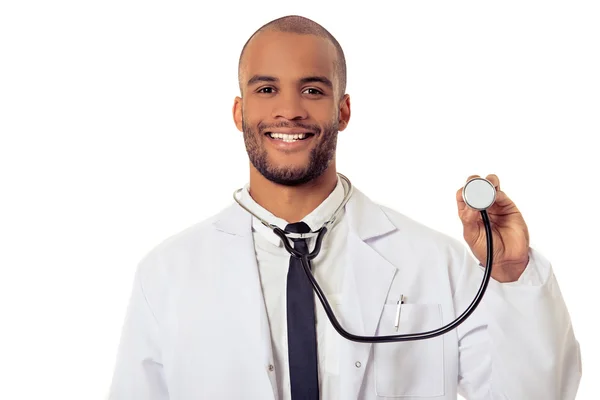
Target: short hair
x=302 y=26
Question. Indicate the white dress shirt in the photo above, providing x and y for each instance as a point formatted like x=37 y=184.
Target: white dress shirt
x=328 y=268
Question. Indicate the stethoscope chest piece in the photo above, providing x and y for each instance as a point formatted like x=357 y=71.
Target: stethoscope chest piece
x=479 y=193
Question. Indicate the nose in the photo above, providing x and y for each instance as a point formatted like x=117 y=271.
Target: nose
x=289 y=106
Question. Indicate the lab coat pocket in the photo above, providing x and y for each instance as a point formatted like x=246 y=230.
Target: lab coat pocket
x=415 y=368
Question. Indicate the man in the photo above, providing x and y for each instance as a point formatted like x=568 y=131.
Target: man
x=221 y=310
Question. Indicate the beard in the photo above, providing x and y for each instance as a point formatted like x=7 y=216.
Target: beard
x=319 y=160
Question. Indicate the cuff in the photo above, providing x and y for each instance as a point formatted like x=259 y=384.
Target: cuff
x=536 y=272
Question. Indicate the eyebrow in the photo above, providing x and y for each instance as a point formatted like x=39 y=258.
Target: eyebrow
x=307 y=79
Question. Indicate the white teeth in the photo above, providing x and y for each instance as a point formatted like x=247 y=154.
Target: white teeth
x=288 y=137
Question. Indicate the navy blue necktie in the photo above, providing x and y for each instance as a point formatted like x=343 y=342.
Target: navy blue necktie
x=302 y=339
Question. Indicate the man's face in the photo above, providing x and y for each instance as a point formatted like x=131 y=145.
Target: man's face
x=291 y=111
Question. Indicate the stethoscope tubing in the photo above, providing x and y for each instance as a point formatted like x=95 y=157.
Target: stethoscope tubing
x=306 y=258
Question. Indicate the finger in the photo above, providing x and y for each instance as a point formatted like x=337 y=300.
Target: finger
x=460 y=200
x=465 y=213
x=493 y=178
x=502 y=199
x=472 y=177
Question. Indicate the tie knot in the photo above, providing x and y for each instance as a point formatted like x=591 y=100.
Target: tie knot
x=298 y=227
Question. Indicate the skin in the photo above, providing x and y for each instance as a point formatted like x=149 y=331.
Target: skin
x=291 y=184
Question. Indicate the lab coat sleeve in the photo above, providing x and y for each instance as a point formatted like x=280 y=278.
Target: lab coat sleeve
x=519 y=343
x=138 y=372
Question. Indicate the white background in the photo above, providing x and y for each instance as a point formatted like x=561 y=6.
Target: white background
x=116 y=132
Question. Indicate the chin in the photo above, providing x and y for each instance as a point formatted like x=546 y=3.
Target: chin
x=293 y=162
x=289 y=175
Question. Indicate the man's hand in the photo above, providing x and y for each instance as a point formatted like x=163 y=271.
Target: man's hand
x=509 y=233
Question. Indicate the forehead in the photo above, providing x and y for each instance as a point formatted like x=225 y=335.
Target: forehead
x=288 y=55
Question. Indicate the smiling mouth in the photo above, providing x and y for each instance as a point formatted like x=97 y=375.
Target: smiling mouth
x=287 y=137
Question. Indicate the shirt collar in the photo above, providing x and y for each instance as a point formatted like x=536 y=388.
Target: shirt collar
x=314 y=220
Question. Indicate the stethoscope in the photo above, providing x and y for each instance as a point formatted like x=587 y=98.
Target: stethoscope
x=478 y=193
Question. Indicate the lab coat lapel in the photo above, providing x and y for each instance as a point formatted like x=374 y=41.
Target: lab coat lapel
x=239 y=257
x=367 y=281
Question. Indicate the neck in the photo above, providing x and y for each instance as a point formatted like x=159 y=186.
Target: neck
x=292 y=203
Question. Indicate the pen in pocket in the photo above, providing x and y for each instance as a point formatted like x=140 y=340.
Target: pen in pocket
x=398 y=309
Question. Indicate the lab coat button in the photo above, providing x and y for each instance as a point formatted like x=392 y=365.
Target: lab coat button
x=271 y=367
x=358 y=364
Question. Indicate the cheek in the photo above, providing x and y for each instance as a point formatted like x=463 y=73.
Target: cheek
x=252 y=117
x=249 y=121
x=323 y=113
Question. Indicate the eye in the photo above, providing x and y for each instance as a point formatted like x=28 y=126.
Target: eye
x=315 y=91
x=267 y=88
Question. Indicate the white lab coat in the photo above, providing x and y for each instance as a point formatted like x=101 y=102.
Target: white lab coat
x=197 y=328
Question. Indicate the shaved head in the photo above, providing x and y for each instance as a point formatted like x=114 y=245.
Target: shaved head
x=301 y=26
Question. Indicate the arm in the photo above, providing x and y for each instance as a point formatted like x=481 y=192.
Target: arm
x=138 y=372
x=519 y=343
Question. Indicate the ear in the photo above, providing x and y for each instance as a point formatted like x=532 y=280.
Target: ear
x=344 y=112
x=237 y=113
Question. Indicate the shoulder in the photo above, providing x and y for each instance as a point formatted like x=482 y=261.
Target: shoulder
x=181 y=247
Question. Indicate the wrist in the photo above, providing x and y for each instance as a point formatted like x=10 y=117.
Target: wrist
x=509 y=272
